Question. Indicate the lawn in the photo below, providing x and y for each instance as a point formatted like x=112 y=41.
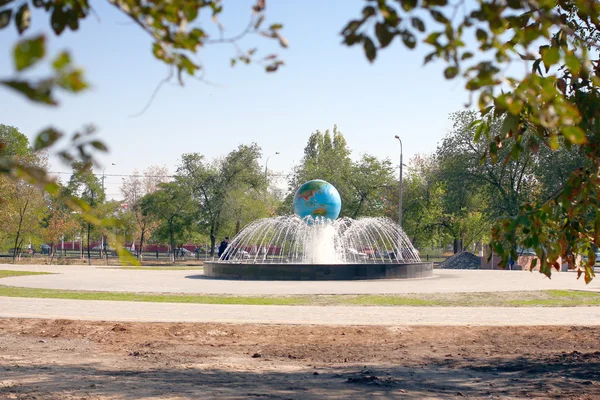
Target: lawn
x=546 y=298
x=4 y=273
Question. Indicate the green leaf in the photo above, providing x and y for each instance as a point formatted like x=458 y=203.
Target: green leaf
x=61 y=61
x=384 y=36
x=370 y=50
x=408 y=5
x=429 y=57
x=550 y=56
x=440 y=3
x=433 y=37
x=574 y=134
x=58 y=20
x=73 y=81
x=28 y=52
x=39 y=92
x=98 y=145
x=409 y=39
x=418 y=24
x=5 y=18
x=481 y=35
x=368 y=11
x=477 y=134
x=573 y=63
x=186 y=64
x=510 y=124
x=450 y=72
x=23 y=18
x=438 y=16
x=46 y=138
x=554 y=142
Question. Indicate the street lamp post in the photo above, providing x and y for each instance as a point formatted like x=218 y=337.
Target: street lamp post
x=400 y=202
x=399 y=256
x=267 y=163
x=102 y=246
x=103 y=178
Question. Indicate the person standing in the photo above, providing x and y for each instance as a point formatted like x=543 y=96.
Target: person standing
x=223 y=246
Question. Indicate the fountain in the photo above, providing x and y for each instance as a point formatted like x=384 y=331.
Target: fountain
x=314 y=245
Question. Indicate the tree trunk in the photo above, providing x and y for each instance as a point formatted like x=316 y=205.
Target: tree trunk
x=15 y=249
x=20 y=248
x=212 y=241
x=457 y=245
x=88 y=244
x=21 y=217
x=105 y=240
x=141 y=246
x=172 y=243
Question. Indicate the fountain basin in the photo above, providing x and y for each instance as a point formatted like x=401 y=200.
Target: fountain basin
x=316 y=272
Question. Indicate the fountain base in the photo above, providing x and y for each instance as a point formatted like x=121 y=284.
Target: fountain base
x=316 y=272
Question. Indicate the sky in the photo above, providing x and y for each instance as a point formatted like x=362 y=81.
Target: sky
x=322 y=84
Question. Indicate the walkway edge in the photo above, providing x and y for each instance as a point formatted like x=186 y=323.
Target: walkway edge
x=95 y=310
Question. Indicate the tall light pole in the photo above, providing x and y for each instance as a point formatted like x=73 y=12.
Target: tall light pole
x=103 y=179
x=399 y=255
x=267 y=163
x=400 y=202
x=102 y=248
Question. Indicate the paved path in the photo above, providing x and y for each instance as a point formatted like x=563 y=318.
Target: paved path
x=296 y=315
x=192 y=281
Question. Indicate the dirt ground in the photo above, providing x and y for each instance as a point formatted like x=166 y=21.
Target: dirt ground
x=61 y=359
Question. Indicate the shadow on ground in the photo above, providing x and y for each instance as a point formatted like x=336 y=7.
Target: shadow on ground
x=571 y=375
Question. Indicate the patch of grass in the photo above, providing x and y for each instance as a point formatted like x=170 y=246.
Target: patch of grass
x=573 y=293
x=149 y=297
x=548 y=298
x=5 y=273
x=560 y=298
x=383 y=300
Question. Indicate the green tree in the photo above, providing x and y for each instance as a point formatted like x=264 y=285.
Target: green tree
x=85 y=187
x=171 y=204
x=368 y=183
x=423 y=203
x=478 y=189
x=13 y=142
x=134 y=188
x=22 y=213
x=59 y=222
x=212 y=183
x=244 y=205
x=22 y=204
x=554 y=167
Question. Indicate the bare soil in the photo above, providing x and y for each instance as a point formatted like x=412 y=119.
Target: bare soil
x=62 y=359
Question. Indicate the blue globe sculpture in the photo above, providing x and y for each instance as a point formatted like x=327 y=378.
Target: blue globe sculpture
x=317 y=198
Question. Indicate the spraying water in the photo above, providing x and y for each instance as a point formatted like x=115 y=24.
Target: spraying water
x=318 y=240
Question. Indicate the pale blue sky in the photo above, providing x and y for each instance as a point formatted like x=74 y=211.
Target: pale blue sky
x=323 y=83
